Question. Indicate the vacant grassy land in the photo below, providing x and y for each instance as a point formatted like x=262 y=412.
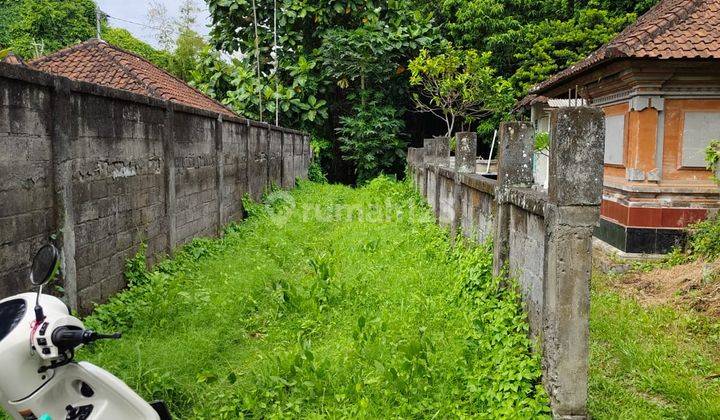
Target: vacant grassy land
x=651 y=361
x=331 y=302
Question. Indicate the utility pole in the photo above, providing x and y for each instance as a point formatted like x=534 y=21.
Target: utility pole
x=97 y=22
x=277 y=80
x=257 y=60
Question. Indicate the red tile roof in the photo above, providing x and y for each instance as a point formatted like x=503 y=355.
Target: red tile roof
x=98 y=62
x=672 y=29
x=13 y=59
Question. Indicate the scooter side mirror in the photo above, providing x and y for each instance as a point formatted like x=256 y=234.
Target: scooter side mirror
x=45 y=265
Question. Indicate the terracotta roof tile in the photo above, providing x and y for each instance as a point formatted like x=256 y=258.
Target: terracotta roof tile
x=673 y=29
x=13 y=59
x=98 y=62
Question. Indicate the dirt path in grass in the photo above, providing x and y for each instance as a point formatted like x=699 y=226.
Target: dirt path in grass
x=694 y=286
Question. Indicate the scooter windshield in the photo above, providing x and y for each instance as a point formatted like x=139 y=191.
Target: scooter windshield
x=11 y=313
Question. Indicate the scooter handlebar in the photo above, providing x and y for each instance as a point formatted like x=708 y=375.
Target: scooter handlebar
x=70 y=337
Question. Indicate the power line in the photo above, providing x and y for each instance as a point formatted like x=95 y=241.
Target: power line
x=134 y=23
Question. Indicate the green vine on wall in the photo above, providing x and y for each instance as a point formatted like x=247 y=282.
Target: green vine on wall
x=712 y=157
x=542 y=142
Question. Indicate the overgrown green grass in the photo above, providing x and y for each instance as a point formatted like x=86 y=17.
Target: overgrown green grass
x=648 y=363
x=304 y=311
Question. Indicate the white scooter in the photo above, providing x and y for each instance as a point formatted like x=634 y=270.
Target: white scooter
x=39 y=379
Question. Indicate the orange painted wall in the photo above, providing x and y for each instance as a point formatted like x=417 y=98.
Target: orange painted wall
x=618 y=171
x=642 y=139
x=672 y=147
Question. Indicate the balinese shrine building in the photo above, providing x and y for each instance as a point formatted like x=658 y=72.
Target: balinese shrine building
x=658 y=83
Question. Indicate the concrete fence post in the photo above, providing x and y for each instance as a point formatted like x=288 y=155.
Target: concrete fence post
x=574 y=197
x=515 y=151
x=466 y=152
x=168 y=137
x=442 y=150
x=429 y=148
x=219 y=173
x=428 y=158
x=64 y=127
x=442 y=158
x=465 y=156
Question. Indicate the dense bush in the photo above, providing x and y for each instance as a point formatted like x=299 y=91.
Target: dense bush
x=705 y=238
x=35 y=27
x=371 y=139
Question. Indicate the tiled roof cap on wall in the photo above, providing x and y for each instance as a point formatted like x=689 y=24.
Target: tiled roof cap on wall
x=98 y=62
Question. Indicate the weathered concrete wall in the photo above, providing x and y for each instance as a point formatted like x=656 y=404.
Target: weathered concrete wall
x=105 y=170
x=477 y=201
x=526 y=257
x=27 y=215
x=541 y=237
x=117 y=189
x=446 y=196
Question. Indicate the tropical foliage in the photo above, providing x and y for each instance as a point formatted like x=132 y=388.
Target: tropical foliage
x=371 y=138
x=339 y=54
x=712 y=157
x=316 y=65
x=458 y=86
x=31 y=28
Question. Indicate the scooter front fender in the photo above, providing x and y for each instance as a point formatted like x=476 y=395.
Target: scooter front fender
x=92 y=392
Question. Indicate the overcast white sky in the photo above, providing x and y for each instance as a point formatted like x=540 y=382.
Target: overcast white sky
x=136 y=11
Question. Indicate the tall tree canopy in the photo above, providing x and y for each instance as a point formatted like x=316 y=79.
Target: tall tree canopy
x=339 y=69
x=331 y=55
x=335 y=58
x=35 y=27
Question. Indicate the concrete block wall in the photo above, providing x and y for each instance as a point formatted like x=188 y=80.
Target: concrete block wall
x=541 y=237
x=117 y=189
x=235 y=166
x=196 y=189
x=27 y=215
x=103 y=170
x=477 y=203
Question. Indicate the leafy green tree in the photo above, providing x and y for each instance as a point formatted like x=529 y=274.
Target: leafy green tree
x=545 y=48
x=372 y=51
x=534 y=38
x=187 y=51
x=371 y=138
x=328 y=52
x=123 y=38
x=36 y=27
x=458 y=86
x=211 y=74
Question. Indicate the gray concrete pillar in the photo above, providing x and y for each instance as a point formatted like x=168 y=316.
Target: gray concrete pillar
x=575 y=194
x=64 y=129
x=465 y=156
x=219 y=173
x=428 y=159
x=168 y=135
x=515 y=152
x=429 y=148
x=442 y=150
x=442 y=158
x=466 y=152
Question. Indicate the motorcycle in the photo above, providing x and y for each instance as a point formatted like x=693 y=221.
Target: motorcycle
x=39 y=379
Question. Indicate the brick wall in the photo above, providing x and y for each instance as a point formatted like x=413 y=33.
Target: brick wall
x=104 y=170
